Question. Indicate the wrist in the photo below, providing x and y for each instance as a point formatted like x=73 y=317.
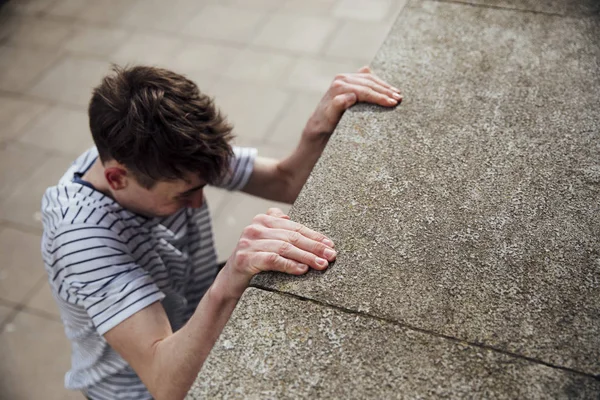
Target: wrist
x=317 y=128
x=315 y=137
x=229 y=284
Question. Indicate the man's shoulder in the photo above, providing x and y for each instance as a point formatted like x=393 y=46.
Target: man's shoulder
x=71 y=203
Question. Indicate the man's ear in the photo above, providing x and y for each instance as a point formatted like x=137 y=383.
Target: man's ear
x=116 y=177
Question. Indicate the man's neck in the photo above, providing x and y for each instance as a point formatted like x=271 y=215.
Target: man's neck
x=95 y=176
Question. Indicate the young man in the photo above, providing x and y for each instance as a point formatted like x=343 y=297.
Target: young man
x=128 y=242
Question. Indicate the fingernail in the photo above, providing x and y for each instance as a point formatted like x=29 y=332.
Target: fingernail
x=396 y=89
x=328 y=242
x=392 y=101
x=322 y=262
x=329 y=254
x=396 y=96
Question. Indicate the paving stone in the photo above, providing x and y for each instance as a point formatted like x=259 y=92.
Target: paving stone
x=20 y=67
x=43 y=300
x=161 y=15
x=471 y=210
x=17 y=163
x=106 y=11
x=308 y=7
x=306 y=34
x=316 y=74
x=96 y=40
x=260 y=66
x=23 y=204
x=203 y=57
x=34 y=349
x=232 y=24
x=287 y=131
x=363 y=10
x=62 y=130
x=250 y=107
x=37 y=32
x=147 y=49
x=215 y=198
x=269 y=5
x=357 y=39
x=22 y=265
x=5 y=311
x=15 y=114
x=277 y=346
x=206 y=81
x=68 y=8
x=71 y=80
x=30 y=6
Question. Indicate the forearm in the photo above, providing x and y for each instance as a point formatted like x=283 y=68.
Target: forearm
x=298 y=165
x=282 y=180
x=179 y=357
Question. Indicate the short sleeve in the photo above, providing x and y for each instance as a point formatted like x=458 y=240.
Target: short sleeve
x=92 y=267
x=240 y=168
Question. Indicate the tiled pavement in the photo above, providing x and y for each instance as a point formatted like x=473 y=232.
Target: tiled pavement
x=266 y=61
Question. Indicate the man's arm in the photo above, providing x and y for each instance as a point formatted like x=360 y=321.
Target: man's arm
x=282 y=180
x=169 y=362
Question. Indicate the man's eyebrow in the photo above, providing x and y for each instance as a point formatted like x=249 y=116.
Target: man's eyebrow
x=192 y=189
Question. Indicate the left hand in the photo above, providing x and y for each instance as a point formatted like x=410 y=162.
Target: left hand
x=345 y=91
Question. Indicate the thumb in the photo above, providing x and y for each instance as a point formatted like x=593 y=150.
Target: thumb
x=276 y=212
x=344 y=101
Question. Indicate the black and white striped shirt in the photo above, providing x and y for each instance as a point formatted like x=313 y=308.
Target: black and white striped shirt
x=106 y=263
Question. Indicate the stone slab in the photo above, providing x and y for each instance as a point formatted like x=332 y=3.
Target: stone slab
x=276 y=346
x=561 y=7
x=472 y=210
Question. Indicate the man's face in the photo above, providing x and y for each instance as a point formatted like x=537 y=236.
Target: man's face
x=164 y=198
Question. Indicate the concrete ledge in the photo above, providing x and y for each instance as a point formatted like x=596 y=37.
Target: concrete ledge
x=472 y=209
x=279 y=347
x=467 y=223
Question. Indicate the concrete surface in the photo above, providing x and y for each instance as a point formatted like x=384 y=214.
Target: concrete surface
x=472 y=209
x=280 y=347
x=266 y=77
x=560 y=7
x=469 y=214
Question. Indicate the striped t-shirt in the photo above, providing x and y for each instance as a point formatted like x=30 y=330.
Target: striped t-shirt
x=105 y=263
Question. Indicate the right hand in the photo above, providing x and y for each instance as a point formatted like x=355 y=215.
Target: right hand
x=275 y=243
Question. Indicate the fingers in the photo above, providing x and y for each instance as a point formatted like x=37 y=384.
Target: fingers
x=366 y=73
x=369 y=95
x=344 y=101
x=381 y=82
x=374 y=85
x=275 y=243
x=315 y=248
x=276 y=212
x=280 y=223
x=367 y=88
x=287 y=250
x=267 y=261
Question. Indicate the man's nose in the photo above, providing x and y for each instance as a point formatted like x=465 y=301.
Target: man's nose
x=197 y=200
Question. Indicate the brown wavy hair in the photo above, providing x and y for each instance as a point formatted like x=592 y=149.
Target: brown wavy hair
x=159 y=125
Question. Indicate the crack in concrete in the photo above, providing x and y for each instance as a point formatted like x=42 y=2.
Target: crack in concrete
x=466 y=3
x=428 y=332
